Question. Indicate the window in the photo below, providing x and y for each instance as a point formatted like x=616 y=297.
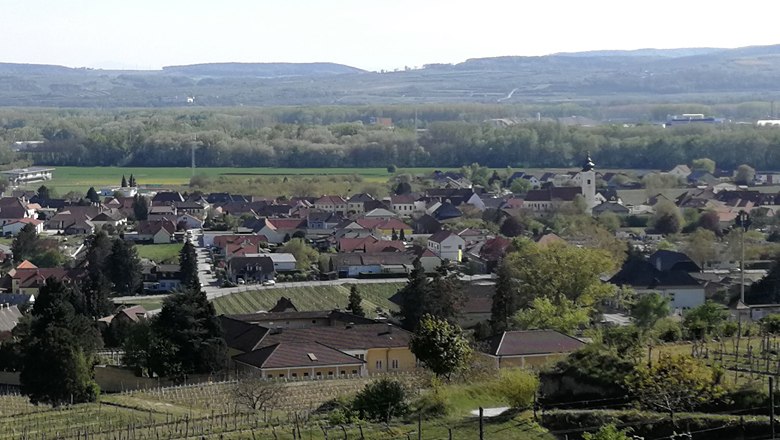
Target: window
x=295 y=375
x=378 y=365
x=319 y=374
x=330 y=373
x=362 y=357
x=305 y=374
x=281 y=374
x=588 y=181
x=394 y=364
x=354 y=371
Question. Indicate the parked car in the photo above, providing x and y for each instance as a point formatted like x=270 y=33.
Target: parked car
x=240 y=281
x=269 y=283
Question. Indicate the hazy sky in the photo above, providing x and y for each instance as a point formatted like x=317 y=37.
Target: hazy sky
x=370 y=34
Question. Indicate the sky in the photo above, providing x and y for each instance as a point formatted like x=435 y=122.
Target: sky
x=369 y=34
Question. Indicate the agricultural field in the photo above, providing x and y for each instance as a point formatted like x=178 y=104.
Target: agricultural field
x=160 y=253
x=309 y=298
x=81 y=178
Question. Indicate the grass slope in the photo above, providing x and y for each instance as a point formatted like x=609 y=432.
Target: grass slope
x=309 y=298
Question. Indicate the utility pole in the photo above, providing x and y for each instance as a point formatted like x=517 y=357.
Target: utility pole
x=772 y=405
x=481 y=431
x=743 y=221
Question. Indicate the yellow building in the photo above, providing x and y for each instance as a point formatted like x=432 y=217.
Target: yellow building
x=300 y=360
x=379 y=347
x=530 y=348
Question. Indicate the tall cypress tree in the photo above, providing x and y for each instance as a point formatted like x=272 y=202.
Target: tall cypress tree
x=57 y=350
x=188 y=267
x=505 y=299
x=413 y=296
x=97 y=286
x=355 y=307
x=124 y=268
x=124 y=181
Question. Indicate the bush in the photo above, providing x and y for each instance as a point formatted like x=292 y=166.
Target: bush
x=729 y=329
x=432 y=404
x=381 y=401
x=517 y=386
x=667 y=330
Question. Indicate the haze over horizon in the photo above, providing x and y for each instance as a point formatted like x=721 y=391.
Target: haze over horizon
x=147 y=34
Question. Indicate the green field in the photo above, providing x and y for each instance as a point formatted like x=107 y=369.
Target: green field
x=81 y=178
x=159 y=253
x=309 y=298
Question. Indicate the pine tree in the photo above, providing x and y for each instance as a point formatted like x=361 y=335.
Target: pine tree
x=125 y=268
x=413 y=296
x=97 y=286
x=57 y=350
x=24 y=246
x=124 y=181
x=394 y=236
x=190 y=336
x=505 y=300
x=140 y=208
x=444 y=298
x=402 y=235
x=132 y=181
x=355 y=307
x=92 y=195
x=188 y=267
x=44 y=193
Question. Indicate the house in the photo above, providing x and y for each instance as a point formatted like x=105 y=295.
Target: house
x=79 y=227
x=13 y=228
x=283 y=262
x=277 y=229
x=426 y=224
x=701 y=177
x=446 y=211
x=383 y=347
x=369 y=245
x=161 y=278
x=28 y=278
x=110 y=217
x=447 y=245
x=674 y=282
x=9 y=317
x=357 y=264
x=189 y=221
x=549 y=199
x=128 y=315
x=252 y=269
x=530 y=348
x=331 y=204
x=612 y=207
x=191 y=207
x=403 y=205
x=380 y=213
x=356 y=203
x=167 y=198
x=323 y=220
x=384 y=227
x=157 y=232
x=300 y=360
x=486 y=255
x=680 y=171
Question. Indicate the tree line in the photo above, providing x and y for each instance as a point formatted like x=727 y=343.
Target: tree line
x=346 y=138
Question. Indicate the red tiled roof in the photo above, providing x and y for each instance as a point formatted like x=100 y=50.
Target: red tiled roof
x=287 y=223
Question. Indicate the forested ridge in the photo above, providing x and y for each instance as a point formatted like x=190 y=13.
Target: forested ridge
x=293 y=137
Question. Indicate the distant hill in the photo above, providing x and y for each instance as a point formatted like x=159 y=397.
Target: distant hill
x=654 y=53
x=669 y=75
x=262 y=70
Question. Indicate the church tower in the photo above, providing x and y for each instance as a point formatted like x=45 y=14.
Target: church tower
x=588 y=182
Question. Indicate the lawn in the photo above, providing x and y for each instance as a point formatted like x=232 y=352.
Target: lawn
x=309 y=298
x=160 y=253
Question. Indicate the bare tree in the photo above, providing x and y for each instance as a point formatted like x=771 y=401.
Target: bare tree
x=255 y=392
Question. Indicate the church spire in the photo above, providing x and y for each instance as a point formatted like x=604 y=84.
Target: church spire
x=589 y=165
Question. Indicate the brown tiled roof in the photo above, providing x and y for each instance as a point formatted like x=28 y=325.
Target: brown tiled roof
x=345 y=337
x=241 y=335
x=528 y=342
x=294 y=355
x=440 y=236
x=334 y=200
x=565 y=193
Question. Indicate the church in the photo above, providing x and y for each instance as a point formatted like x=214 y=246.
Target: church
x=548 y=200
